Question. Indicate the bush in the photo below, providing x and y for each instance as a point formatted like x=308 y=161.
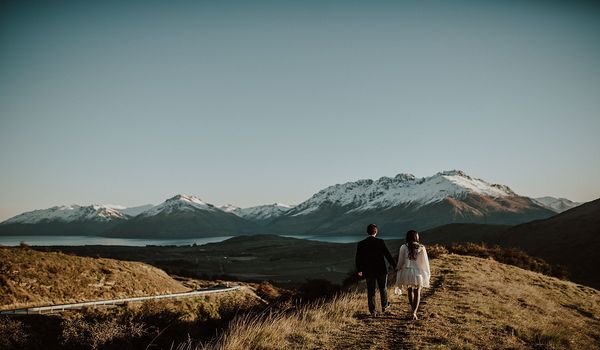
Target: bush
x=81 y=333
x=12 y=334
x=351 y=279
x=266 y=291
x=510 y=256
x=318 y=289
x=435 y=251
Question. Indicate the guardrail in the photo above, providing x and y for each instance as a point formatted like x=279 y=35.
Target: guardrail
x=63 y=307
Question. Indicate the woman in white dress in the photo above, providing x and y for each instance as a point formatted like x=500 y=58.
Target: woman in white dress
x=413 y=270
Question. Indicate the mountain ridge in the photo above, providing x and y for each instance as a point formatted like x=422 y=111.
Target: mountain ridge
x=399 y=203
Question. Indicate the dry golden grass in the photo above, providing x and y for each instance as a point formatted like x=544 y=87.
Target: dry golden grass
x=479 y=303
x=474 y=303
x=31 y=278
x=308 y=327
x=152 y=324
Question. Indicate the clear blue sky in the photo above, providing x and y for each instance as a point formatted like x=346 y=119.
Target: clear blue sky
x=131 y=102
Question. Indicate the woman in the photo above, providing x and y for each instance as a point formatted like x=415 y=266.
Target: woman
x=413 y=270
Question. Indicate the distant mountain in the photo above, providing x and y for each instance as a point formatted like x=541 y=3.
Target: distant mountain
x=556 y=204
x=571 y=238
x=394 y=204
x=404 y=202
x=64 y=220
x=263 y=213
x=182 y=217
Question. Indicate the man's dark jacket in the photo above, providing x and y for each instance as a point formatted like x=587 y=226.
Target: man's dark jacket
x=371 y=253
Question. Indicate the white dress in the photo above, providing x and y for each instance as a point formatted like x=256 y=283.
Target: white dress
x=413 y=273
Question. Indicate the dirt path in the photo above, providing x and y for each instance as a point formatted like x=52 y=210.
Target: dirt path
x=387 y=331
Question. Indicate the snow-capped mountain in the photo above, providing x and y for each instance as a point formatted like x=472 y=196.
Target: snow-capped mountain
x=363 y=195
x=556 y=204
x=394 y=203
x=407 y=202
x=68 y=213
x=179 y=203
x=182 y=216
x=263 y=212
x=64 y=220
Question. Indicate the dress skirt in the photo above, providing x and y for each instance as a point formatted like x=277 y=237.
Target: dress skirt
x=410 y=277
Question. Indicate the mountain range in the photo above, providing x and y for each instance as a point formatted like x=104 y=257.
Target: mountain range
x=394 y=203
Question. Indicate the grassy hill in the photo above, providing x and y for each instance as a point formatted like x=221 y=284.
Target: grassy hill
x=32 y=278
x=571 y=238
x=474 y=303
x=460 y=233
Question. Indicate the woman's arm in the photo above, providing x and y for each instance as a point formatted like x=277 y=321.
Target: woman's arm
x=401 y=257
x=424 y=266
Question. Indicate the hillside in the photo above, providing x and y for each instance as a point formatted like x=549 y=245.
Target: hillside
x=460 y=233
x=283 y=260
x=571 y=238
x=31 y=278
x=473 y=304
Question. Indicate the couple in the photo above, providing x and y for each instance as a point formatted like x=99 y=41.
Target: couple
x=412 y=268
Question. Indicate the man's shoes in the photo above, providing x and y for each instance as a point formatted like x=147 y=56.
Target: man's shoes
x=387 y=307
x=374 y=314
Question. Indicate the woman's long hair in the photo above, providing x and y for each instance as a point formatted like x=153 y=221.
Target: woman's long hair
x=412 y=242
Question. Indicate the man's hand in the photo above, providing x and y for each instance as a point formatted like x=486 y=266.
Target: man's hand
x=359 y=273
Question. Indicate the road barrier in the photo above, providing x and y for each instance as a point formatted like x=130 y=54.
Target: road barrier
x=73 y=306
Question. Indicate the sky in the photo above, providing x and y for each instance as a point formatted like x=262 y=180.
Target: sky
x=256 y=102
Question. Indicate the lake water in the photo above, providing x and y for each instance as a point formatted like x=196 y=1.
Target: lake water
x=91 y=240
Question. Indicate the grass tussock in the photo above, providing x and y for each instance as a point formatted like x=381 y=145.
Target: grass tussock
x=304 y=327
x=31 y=278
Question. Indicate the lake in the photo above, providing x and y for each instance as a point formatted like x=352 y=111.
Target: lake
x=137 y=242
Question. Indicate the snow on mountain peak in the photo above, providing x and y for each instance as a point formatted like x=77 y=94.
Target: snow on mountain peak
x=228 y=208
x=179 y=203
x=263 y=212
x=556 y=204
x=402 y=189
x=405 y=177
x=68 y=213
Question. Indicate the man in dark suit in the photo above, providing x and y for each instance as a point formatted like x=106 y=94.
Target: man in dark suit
x=371 y=254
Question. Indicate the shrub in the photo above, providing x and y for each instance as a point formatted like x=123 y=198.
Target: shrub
x=510 y=256
x=266 y=291
x=12 y=334
x=435 y=251
x=318 y=289
x=81 y=333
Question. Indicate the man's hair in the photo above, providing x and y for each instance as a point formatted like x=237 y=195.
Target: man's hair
x=371 y=229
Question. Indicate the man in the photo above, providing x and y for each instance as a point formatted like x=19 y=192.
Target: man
x=371 y=254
